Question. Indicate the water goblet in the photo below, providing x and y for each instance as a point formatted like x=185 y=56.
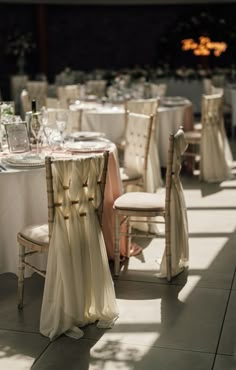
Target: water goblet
x=44 y=119
x=61 y=122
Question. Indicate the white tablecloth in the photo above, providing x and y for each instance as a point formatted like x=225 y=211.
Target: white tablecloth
x=23 y=200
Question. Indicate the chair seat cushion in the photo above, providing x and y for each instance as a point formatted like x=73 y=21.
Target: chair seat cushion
x=129 y=175
x=141 y=201
x=37 y=234
x=192 y=137
x=198 y=126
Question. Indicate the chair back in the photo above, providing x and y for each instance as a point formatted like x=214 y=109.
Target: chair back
x=158 y=90
x=96 y=87
x=52 y=103
x=142 y=106
x=68 y=93
x=212 y=110
x=216 y=90
x=37 y=90
x=73 y=118
x=213 y=164
x=75 y=185
x=137 y=138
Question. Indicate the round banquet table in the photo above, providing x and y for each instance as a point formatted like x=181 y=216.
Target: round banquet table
x=23 y=200
x=111 y=121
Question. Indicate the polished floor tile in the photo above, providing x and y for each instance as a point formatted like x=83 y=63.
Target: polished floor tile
x=18 y=350
x=26 y=320
x=170 y=316
x=114 y=355
x=225 y=363
x=228 y=338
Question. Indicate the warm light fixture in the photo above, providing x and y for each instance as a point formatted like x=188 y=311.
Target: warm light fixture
x=204 y=47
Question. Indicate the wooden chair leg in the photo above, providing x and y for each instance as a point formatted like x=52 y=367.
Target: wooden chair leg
x=21 y=275
x=128 y=243
x=168 y=249
x=117 y=246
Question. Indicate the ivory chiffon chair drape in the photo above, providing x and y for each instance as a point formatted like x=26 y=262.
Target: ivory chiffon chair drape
x=216 y=157
x=78 y=287
x=215 y=154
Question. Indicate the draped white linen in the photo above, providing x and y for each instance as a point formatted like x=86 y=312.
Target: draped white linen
x=216 y=157
x=78 y=287
x=178 y=216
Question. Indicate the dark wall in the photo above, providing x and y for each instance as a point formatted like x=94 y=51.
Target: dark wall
x=87 y=37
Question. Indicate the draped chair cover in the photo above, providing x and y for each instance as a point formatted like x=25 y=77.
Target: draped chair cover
x=178 y=215
x=78 y=287
x=227 y=150
x=216 y=158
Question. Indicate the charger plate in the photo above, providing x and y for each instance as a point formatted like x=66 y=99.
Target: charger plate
x=87 y=146
x=85 y=135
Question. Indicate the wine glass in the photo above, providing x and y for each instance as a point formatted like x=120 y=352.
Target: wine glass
x=44 y=119
x=61 y=122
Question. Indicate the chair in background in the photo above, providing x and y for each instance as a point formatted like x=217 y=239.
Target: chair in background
x=37 y=90
x=138 y=106
x=158 y=90
x=96 y=87
x=142 y=106
x=73 y=118
x=52 y=103
x=170 y=207
x=137 y=138
x=146 y=107
x=68 y=93
x=78 y=287
x=217 y=86
x=210 y=143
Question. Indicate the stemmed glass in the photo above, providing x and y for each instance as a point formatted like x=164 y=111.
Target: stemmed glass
x=61 y=122
x=44 y=119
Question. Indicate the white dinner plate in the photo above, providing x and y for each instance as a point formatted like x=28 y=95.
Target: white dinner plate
x=87 y=146
x=85 y=135
x=25 y=161
x=172 y=101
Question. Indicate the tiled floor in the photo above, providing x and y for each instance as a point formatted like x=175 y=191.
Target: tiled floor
x=189 y=324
